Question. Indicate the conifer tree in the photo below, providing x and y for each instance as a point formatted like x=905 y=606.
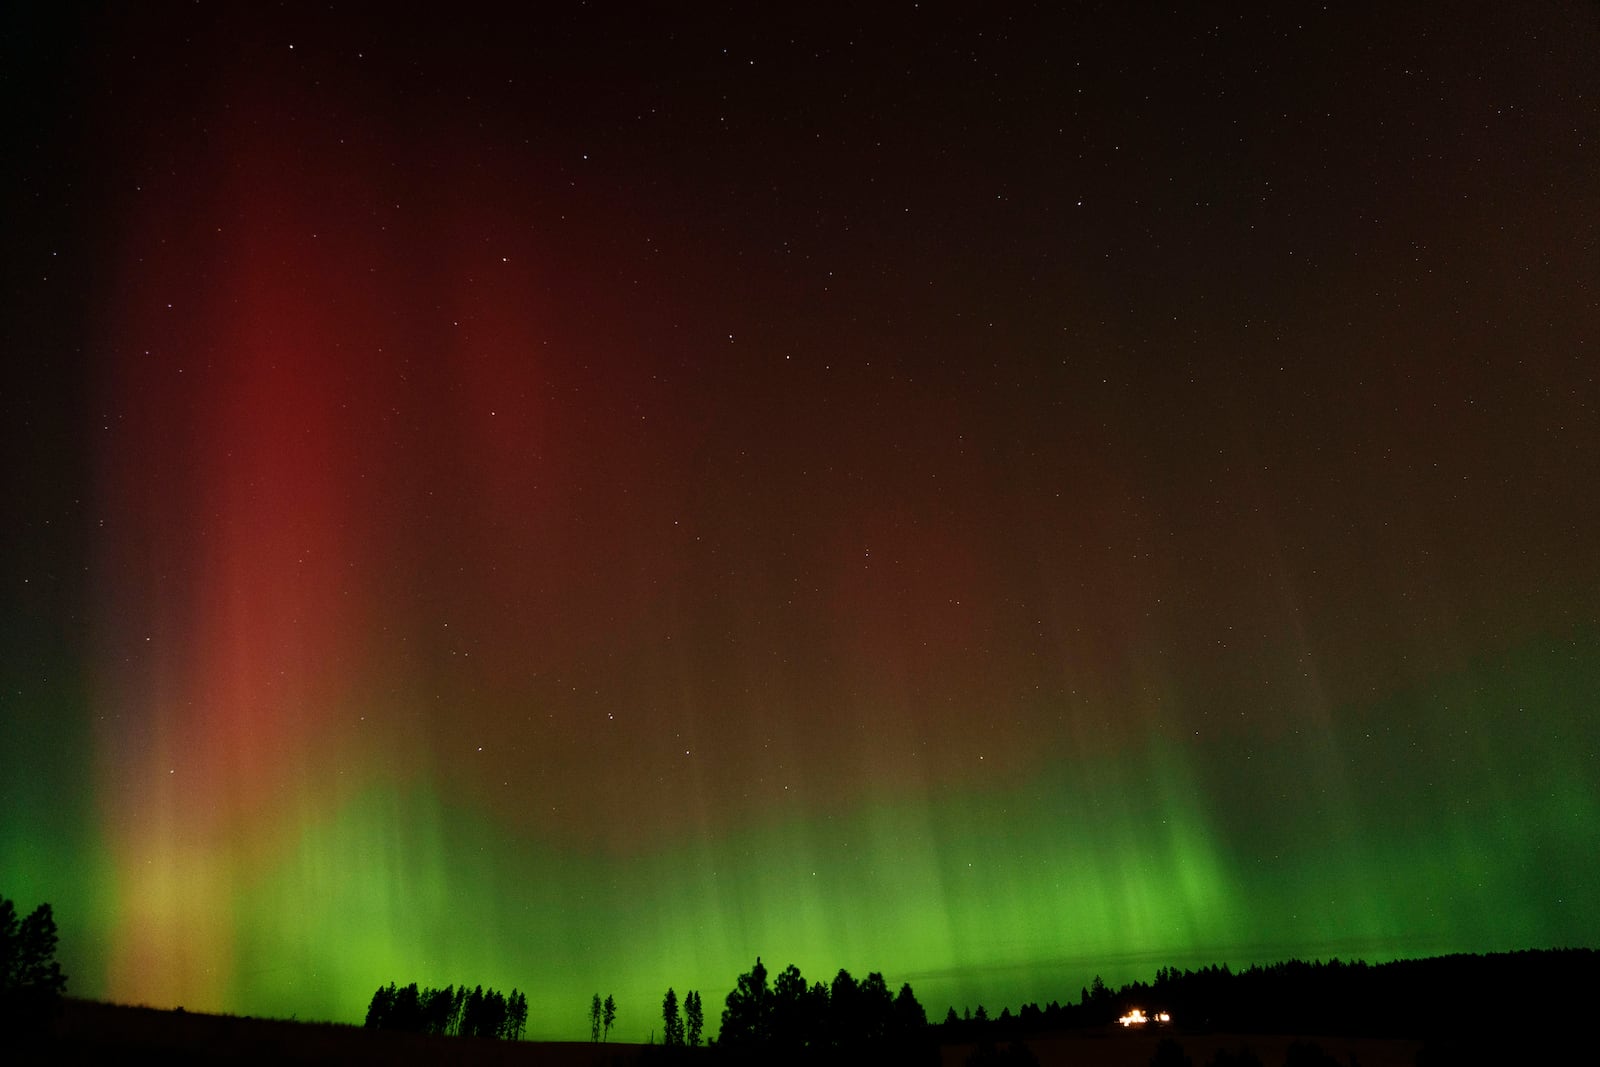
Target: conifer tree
x=694 y=1017
x=672 y=1022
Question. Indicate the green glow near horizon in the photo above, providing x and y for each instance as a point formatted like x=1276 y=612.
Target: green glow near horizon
x=996 y=896
x=466 y=526
x=840 y=894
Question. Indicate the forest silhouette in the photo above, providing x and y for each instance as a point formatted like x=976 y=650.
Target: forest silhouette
x=1457 y=1006
x=450 y=1012
x=791 y=1017
x=786 y=1019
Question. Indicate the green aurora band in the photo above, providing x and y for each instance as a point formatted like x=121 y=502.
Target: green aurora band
x=996 y=896
x=462 y=525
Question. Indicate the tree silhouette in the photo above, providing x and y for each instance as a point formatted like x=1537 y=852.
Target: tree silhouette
x=449 y=1011
x=844 y=1010
x=875 y=1005
x=671 y=1021
x=594 y=1019
x=437 y=1005
x=31 y=982
x=458 y=1007
x=694 y=1017
x=910 y=1020
x=610 y=1015
x=746 y=1014
x=791 y=1023
x=492 y=1015
x=472 y=1012
x=381 y=1007
x=406 y=1014
x=517 y=1015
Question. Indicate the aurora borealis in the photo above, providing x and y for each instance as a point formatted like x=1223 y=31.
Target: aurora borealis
x=577 y=502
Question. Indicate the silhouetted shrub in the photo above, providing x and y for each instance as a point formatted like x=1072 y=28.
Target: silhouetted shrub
x=31 y=982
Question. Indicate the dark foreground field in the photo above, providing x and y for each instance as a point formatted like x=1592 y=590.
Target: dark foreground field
x=1114 y=1048
x=91 y=1032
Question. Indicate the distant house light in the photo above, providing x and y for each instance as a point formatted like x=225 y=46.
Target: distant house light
x=1137 y=1017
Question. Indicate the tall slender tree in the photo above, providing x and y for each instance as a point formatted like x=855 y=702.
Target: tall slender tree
x=594 y=1019
x=458 y=1007
x=693 y=1017
x=516 y=1015
x=610 y=1015
x=671 y=1021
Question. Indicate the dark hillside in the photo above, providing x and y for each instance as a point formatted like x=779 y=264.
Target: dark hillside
x=92 y=1032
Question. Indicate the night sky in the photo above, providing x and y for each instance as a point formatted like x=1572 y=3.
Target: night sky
x=578 y=501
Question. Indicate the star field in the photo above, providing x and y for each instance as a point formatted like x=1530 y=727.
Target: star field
x=582 y=500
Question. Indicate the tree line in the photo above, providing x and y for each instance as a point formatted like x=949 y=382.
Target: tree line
x=791 y=1017
x=451 y=1011
x=1418 y=998
x=1433 y=998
